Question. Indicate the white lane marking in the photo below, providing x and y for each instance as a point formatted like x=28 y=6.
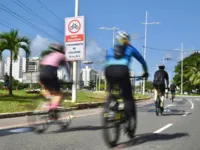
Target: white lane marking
x=192 y=105
x=197 y=99
x=186 y=114
x=170 y=105
x=163 y=128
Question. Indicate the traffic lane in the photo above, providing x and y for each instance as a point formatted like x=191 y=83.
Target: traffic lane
x=84 y=133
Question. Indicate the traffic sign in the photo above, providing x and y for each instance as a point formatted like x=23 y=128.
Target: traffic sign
x=75 y=38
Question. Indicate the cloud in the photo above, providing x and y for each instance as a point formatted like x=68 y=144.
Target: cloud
x=38 y=44
x=95 y=53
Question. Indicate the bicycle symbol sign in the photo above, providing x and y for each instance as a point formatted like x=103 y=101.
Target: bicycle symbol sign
x=74 y=26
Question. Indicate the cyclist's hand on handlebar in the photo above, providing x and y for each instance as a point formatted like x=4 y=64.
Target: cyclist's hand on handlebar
x=145 y=75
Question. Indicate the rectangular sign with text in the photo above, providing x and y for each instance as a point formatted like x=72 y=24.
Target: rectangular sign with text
x=75 y=38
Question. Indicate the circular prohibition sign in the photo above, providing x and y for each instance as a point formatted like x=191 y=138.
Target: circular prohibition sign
x=74 y=26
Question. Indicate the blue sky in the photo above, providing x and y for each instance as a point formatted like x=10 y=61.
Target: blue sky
x=179 y=23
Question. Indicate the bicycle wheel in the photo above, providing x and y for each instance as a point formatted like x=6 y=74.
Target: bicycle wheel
x=110 y=137
x=39 y=121
x=65 y=117
x=157 y=105
x=132 y=125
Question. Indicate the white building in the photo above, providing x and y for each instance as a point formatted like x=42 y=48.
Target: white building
x=33 y=64
x=88 y=74
x=1 y=69
x=19 y=66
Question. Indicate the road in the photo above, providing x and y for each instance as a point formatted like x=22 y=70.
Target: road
x=177 y=129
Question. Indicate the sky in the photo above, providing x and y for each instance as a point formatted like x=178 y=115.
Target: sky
x=44 y=23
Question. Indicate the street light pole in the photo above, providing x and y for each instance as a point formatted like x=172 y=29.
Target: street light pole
x=182 y=68
x=75 y=63
x=145 y=42
x=113 y=29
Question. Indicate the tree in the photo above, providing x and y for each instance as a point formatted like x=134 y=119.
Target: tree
x=13 y=42
x=191 y=73
x=91 y=84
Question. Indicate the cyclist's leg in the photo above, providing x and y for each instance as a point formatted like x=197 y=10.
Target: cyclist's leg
x=110 y=81
x=162 y=90
x=126 y=88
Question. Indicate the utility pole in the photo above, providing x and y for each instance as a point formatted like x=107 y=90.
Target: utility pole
x=145 y=42
x=181 y=68
x=75 y=63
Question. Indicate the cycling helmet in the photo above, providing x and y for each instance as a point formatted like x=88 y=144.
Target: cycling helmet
x=122 y=38
x=57 y=47
x=161 y=66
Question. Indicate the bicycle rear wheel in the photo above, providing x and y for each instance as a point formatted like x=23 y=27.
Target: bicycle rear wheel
x=110 y=137
x=158 y=108
x=39 y=121
x=132 y=125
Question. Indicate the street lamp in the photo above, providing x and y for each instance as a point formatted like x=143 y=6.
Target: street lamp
x=145 y=41
x=113 y=29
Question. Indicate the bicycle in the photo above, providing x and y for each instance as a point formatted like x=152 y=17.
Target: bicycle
x=41 y=119
x=114 y=115
x=172 y=96
x=159 y=109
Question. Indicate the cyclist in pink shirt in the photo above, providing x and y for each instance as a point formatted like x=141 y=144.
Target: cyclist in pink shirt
x=48 y=73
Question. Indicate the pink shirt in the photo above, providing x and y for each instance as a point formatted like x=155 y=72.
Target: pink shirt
x=53 y=59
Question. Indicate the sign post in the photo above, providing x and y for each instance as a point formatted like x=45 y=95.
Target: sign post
x=74 y=45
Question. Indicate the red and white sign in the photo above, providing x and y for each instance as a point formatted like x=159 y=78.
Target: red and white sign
x=75 y=38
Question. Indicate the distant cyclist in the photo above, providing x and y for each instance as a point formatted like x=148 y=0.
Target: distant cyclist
x=117 y=69
x=173 y=90
x=160 y=77
x=48 y=73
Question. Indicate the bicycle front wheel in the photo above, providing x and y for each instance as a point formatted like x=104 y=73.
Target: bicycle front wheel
x=111 y=130
x=65 y=117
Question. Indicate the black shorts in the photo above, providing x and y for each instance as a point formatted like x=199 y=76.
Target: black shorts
x=48 y=77
x=119 y=74
x=161 y=87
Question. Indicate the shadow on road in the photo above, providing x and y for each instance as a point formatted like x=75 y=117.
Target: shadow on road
x=11 y=131
x=81 y=128
x=150 y=137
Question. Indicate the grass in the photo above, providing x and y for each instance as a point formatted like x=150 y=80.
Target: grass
x=22 y=101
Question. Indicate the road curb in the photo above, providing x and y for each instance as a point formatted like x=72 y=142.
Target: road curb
x=80 y=106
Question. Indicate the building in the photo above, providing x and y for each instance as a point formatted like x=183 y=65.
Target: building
x=33 y=64
x=88 y=74
x=1 y=69
x=19 y=66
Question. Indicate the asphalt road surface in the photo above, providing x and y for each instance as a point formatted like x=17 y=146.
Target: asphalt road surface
x=177 y=129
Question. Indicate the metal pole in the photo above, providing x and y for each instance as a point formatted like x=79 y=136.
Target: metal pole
x=182 y=68
x=99 y=82
x=96 y=81
x=75 y=64
x=113 y=36
x=145 y=43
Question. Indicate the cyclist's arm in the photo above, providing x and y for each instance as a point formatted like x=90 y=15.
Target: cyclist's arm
x=138 y=56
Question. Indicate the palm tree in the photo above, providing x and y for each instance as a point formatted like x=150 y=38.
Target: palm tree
x=193 y=70
x=13 y=42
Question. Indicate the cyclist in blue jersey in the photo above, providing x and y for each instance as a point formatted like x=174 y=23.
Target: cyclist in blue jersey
x=117 y=69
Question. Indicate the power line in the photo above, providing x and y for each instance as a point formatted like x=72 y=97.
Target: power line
x=10 y=12
x=174 y=50
x=50 y=10
x=10 y=27
x=27 y=9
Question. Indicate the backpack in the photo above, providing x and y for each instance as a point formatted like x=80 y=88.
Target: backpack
x=119 y=51
x=159 y=78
